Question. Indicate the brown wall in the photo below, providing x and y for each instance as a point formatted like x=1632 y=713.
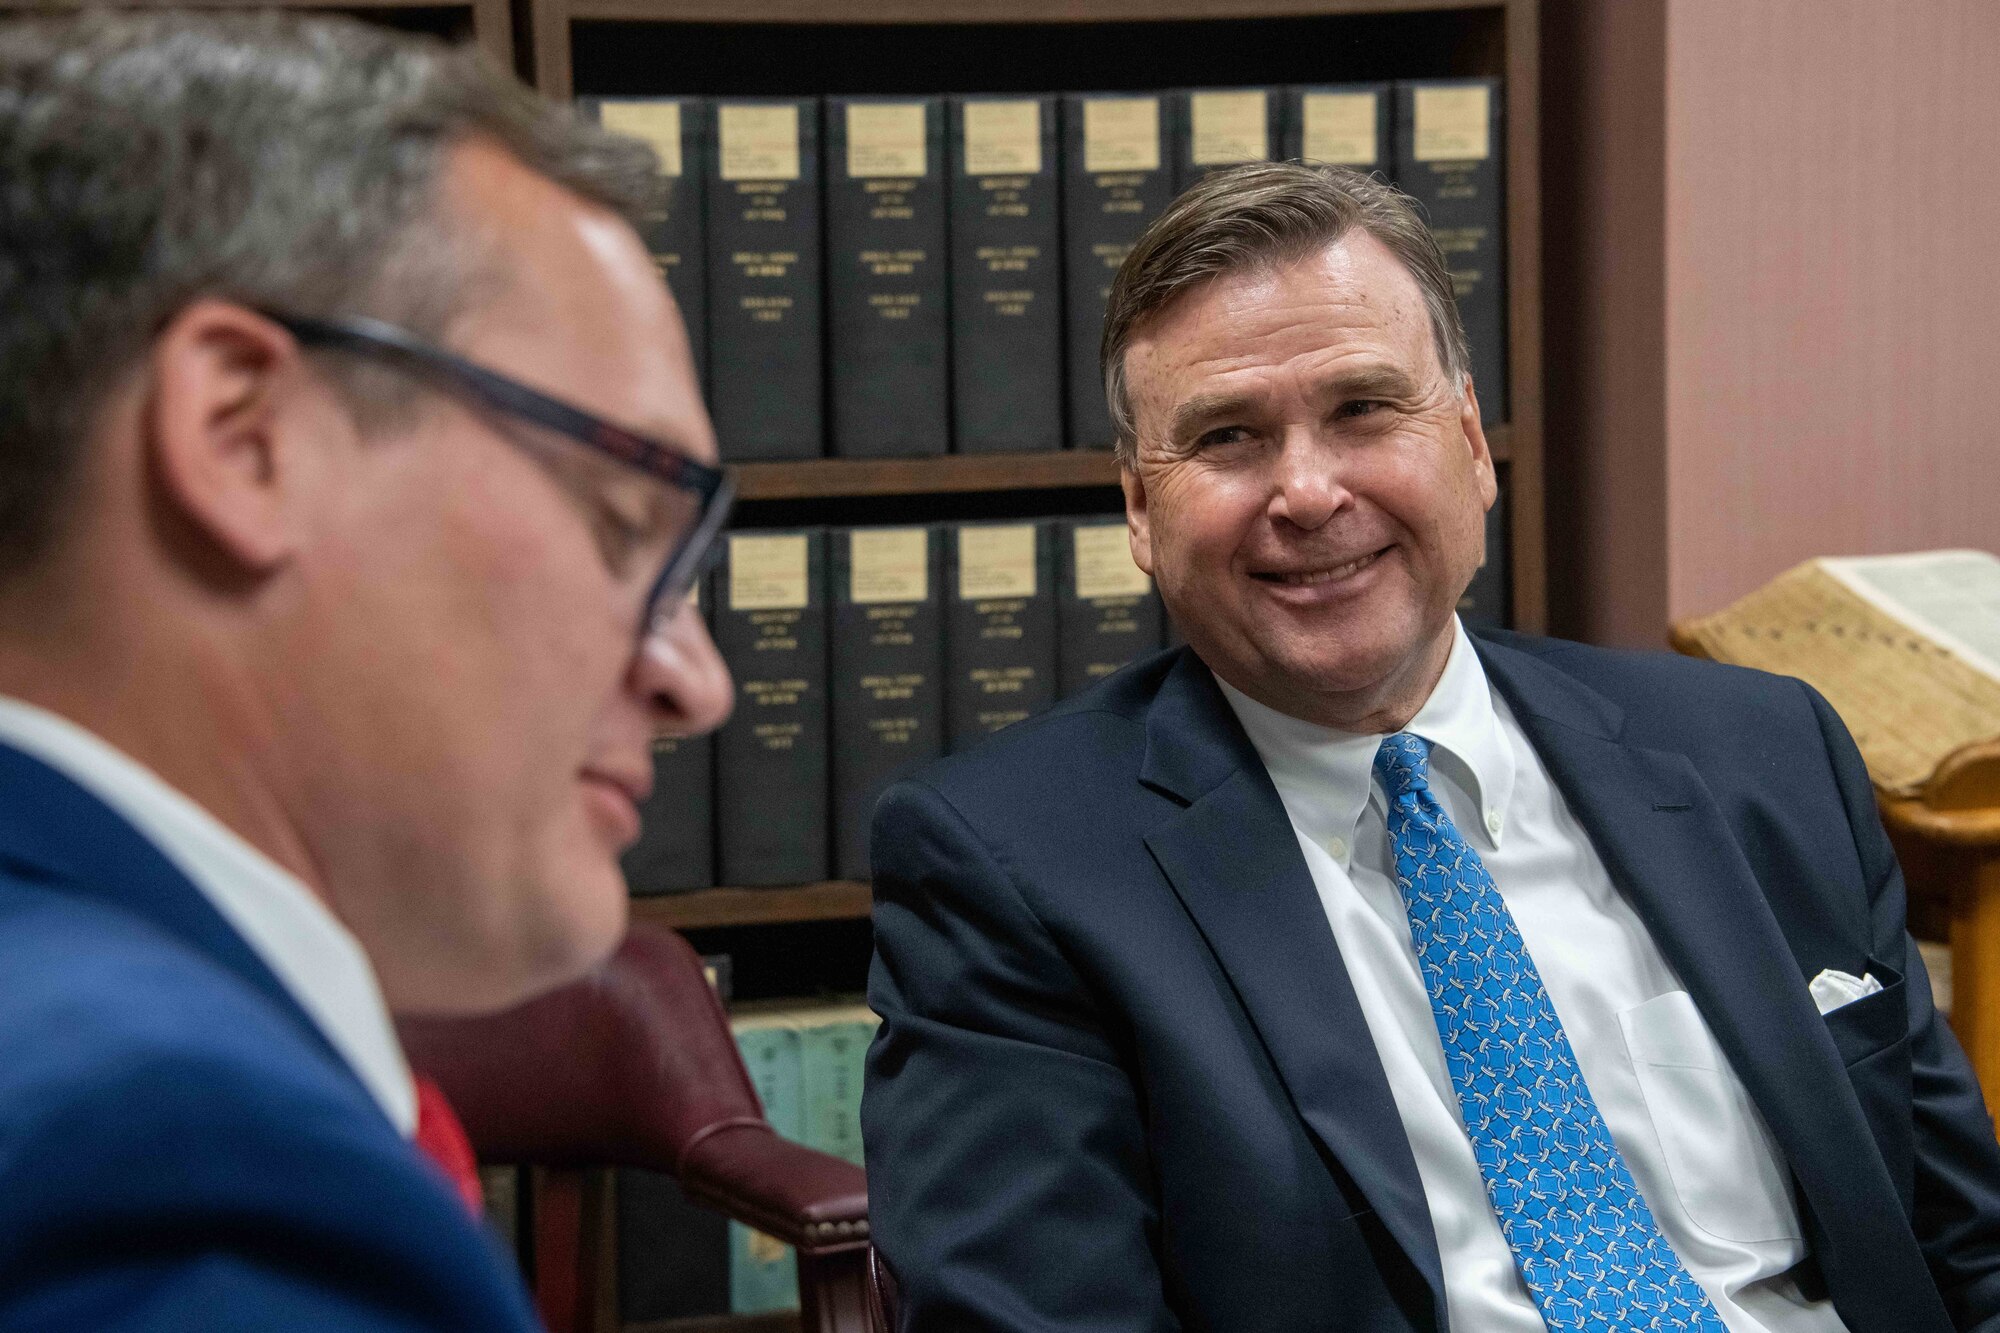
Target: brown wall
x=1604 y=280
x=1793 y=355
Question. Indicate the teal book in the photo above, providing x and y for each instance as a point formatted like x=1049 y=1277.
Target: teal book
x=833 y=1045
x=763 y=1273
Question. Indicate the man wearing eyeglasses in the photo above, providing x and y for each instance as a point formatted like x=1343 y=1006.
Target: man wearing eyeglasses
x=353 y=474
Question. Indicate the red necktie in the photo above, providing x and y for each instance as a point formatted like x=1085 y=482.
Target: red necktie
x=442 y=1139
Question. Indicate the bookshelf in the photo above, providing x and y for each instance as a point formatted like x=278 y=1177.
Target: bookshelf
x=815 y=936
x=707 y=909
x=954 y=474
x=490 y=23
x=804 y=47
x=741 y=48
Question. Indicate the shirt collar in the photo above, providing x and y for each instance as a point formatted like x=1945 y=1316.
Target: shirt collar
x=1325 y=777
x=316 y=958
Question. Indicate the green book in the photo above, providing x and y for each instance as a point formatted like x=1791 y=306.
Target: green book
x=832 y=1048
x=763 y=1273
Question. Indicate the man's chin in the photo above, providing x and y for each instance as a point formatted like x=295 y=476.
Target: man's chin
x=585 y=926
x=548 y=940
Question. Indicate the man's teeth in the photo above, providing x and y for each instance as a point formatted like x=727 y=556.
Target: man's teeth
x=1327 y=575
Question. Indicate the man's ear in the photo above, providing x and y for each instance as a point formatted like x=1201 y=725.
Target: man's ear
x=1138 y=524
x=225 y=385
x=1475 y=440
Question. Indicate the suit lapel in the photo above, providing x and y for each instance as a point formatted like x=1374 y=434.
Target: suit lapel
x=63 y=839
x=1670 y=848
x=1233 y=860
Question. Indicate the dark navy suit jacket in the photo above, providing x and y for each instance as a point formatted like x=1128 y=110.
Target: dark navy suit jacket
x=1123 y=1081
x=180 y=1148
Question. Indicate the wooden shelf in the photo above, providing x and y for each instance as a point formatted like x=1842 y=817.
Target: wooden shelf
x=819 y=478
x=833 y=900
x=984 y=11
x=490 y=22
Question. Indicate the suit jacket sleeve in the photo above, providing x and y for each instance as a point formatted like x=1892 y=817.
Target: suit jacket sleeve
x=1957 y=1162
x=1008 y=1179
x=195 y=1191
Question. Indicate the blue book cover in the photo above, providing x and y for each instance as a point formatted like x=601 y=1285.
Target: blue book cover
x=763 y=1272
x=833 y=1046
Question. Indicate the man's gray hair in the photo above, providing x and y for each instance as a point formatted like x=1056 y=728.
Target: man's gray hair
x=1264 y=214
x=151 y=160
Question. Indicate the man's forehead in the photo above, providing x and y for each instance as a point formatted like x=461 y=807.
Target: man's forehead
x=1355 y=277
x=1354 y=290
x=580 y=311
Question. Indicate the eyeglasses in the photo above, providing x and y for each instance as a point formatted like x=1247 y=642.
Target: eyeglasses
x=706 y=492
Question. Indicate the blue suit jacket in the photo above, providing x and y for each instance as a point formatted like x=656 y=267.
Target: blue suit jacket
x=180 y=1148
x=1123 y=1081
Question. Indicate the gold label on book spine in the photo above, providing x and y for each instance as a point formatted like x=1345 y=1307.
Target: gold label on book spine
x=996 y=562
x=768 y=573
x=759 y=143
x=886 y=139
x=1454 y=124
x=656 y=124
x=1225 y=128
x=1104 y=564
x=1121 y=134
x=1003 y=138
x=1340 y=128
x=888 y=565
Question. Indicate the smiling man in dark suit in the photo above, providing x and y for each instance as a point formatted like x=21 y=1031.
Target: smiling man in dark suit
x=1346 y=970
x=354 y=473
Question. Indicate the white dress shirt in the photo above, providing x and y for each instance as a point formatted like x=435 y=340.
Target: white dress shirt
x=1696 y=1146
x=285 y=925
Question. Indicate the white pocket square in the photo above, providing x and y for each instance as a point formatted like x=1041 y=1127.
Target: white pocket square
x=1831 y=989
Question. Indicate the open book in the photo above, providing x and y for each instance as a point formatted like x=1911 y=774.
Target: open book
x=1905 y=647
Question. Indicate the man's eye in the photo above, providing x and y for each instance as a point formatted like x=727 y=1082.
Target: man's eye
x=620 y=537
x=1361 y=407
x=1223 y=435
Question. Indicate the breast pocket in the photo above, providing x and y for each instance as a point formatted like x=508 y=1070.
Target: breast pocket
x=1721 y=1158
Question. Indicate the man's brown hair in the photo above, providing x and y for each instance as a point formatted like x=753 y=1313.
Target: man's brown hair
x=1267 y=214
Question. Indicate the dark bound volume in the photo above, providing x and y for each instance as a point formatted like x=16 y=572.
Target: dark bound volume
x=1117 y=178
x=764 y=279
x=676 y=128
x=771 y=756
x=1342 y=124
x=886 y=261
x=673 y=1254
x=1223 y=127
x=1487 y=601
x=1000 y=637
x=888 y=672
x=1006 y=276
x=1108 y=613
x=1448 y=142
x=676 y=849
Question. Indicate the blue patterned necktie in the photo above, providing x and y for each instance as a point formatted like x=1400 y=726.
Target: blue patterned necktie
x=1585 y=1240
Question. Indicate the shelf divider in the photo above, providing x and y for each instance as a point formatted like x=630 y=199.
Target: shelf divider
x=831 y=900
x=818 y=478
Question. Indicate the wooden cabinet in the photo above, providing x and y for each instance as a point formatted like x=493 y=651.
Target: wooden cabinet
x=490 y=23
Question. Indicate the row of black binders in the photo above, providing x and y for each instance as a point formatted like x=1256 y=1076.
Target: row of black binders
x=860 y=654
x=884 y=276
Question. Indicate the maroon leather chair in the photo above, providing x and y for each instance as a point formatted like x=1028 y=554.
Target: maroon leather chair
x=635 y=1066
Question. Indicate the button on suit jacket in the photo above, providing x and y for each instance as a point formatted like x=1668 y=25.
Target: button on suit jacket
x=1123 y=1082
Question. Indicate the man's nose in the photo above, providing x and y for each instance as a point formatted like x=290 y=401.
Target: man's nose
x=683 y=677
x=1307 y=490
